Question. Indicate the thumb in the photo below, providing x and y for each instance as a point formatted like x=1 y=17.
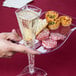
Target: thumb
x=14 y=31
x=23 y=49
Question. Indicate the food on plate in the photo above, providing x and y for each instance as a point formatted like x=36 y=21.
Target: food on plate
x=65 y=20
x=46 y=29
x=39 y=25
x=51 y=15
x=57 y=36
x=53 y=19
x=44 y=34
x=49 y=43
x=53 y=25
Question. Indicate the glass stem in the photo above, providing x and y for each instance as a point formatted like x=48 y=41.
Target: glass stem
x=31 y=60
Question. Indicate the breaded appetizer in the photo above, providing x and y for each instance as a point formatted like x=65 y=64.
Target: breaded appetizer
x=51 y=15
x=53 y=25
x=66 y=20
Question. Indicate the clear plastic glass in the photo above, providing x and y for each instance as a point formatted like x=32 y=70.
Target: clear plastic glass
x=26 y=17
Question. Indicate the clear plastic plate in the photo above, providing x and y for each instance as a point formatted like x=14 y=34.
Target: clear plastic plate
x=67 y=31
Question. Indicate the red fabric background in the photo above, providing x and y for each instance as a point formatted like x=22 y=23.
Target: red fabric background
x=62 y=62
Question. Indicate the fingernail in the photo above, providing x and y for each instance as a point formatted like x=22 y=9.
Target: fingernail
x=13 y=30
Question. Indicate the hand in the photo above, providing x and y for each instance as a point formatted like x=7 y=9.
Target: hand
x=8 y=48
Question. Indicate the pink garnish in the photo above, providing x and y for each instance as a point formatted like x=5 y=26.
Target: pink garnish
x=57 y=36
x=43 y=35
x=49 y=43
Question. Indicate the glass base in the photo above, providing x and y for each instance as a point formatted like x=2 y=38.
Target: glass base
x=36 y=72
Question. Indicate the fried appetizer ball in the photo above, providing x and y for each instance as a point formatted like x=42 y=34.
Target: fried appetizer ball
x=51 y=15
x=66 y=20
